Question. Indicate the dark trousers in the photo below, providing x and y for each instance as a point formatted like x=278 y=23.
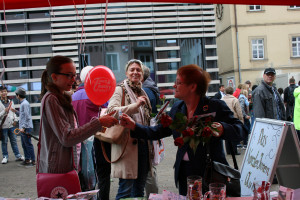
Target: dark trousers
x=186 y=169
x=102 y=169
x=27 y=145
x=248 y=126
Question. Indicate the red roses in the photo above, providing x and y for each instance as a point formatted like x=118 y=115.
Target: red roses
x=187 y=132
x=179 y=142
x=166 y=120
x=193 y=131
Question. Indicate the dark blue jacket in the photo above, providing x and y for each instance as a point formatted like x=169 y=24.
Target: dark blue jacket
x=233 y=130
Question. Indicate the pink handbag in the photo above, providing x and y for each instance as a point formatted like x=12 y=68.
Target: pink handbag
x=56 y=186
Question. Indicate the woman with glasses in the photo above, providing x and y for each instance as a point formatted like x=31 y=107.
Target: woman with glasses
x=59 y=132
x=133 y=167
x=190 y=87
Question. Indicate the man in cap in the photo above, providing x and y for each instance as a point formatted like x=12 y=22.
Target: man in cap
x=25 y=126
x=266 y=99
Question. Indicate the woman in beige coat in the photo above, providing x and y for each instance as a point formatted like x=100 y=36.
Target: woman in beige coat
x=133 y=167
x=235 y=107
x=233 y=104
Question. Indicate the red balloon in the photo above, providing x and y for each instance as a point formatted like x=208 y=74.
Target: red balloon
x=100 y=84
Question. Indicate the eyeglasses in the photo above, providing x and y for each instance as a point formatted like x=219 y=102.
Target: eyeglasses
x=70 y=76
x=178 y=83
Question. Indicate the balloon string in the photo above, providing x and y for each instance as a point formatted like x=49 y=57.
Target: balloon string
x=81 y=21
x=51 y=8
x=104 y=27
x=4 y=18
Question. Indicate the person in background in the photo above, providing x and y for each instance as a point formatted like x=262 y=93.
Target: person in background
x=152 y=91
x=132 y=169
x=289 y=99
x=244 y=103
x=87 y=110
x=280 y=91
x=240 y=87
x=26 y=127
x=190 y=87
x=267 y=102
x=220 y=94
x=251 y=109
x=249 y=86
x=237 y=91
x=234 y=105
x=59 y=122
x=297 y=110
x=8 y=126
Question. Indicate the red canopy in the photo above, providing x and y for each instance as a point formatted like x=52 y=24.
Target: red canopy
x=20 y=4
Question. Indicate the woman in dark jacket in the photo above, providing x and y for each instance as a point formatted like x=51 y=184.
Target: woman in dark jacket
x=190 y=87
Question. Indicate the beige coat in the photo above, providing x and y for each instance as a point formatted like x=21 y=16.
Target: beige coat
x=234 y=105
x=127 y=166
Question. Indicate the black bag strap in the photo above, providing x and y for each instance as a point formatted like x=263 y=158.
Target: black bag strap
x=4 y=118
x=233 y=155
x=208 y=157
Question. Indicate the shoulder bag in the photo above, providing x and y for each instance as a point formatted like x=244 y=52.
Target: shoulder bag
x=216 y=172
x=1 y=126
x=55 y=186
x=114 y=134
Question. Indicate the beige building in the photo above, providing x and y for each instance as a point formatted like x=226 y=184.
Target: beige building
x=251 y=38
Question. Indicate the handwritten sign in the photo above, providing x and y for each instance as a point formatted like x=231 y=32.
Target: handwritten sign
x=261 y=154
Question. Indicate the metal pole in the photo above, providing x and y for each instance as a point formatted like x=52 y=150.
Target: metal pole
x=237 y=45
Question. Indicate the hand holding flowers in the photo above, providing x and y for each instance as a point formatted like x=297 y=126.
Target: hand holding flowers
x=193 y=131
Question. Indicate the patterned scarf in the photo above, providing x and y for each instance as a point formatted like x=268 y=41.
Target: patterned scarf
x=137 y=90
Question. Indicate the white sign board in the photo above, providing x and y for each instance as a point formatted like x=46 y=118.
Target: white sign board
x=262 y=153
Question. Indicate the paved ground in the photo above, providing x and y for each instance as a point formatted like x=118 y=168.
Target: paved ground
x=17 y=181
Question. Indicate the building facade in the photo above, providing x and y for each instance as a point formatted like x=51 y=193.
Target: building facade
x=251 y=38
x=164 y=36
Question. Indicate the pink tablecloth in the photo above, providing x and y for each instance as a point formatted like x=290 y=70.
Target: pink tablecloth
x=239 y=198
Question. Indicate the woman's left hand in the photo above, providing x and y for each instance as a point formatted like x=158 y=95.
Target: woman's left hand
x=219 y=127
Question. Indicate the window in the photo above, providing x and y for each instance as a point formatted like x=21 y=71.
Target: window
x=255 y=8
x=296 y=46
x=147 y=60
x=295 y=7
x=144 y=44
x=112 y=61
x=22 y=63
x=257 y=49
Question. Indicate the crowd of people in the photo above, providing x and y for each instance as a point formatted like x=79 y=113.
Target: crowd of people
x=262 y=101
x=70 y=119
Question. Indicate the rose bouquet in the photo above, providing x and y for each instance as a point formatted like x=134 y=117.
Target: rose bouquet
x=199 y=128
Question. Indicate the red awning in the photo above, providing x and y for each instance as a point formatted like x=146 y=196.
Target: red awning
x=20 y=4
